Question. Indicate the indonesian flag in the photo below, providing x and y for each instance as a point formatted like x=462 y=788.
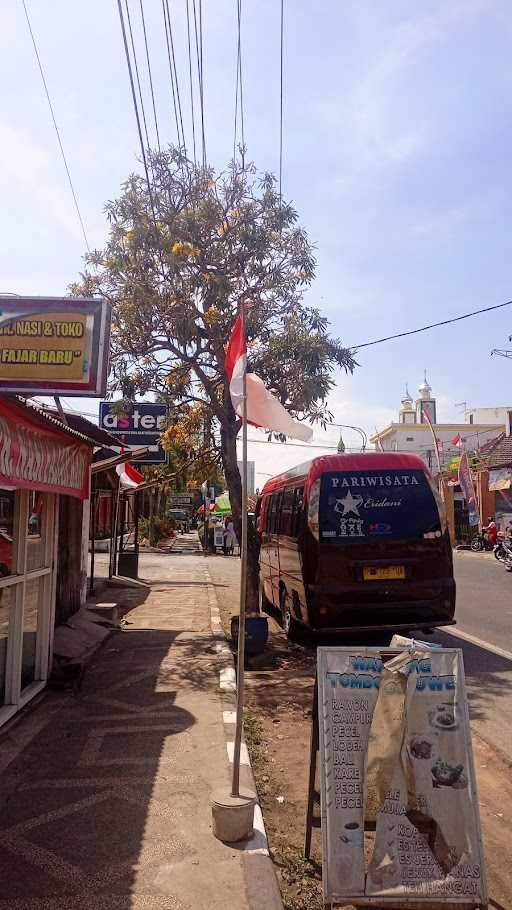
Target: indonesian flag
x=129 y=476
x=457 y=441
x=263 y=409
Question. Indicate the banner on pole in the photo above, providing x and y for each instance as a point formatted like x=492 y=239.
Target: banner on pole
x=468 y=488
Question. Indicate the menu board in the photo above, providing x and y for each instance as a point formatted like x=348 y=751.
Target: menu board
x=395 y=755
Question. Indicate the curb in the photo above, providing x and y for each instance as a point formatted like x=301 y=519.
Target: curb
x=260 y=875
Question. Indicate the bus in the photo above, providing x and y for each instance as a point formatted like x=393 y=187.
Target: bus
x=356 y=543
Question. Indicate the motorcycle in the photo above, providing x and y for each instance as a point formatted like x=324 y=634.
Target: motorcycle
x=500 y=551
x=507 y=562
x=480 y=543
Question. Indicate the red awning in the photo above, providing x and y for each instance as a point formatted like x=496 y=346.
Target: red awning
x=35 y=456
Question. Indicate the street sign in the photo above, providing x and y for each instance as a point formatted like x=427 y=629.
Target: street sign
x=180 y=499
x=54 y=345
x=141 y=425
x=396 y=759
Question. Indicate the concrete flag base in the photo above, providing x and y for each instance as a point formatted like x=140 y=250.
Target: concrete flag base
x=233 y=816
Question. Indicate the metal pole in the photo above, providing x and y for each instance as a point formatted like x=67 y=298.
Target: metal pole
x=94 y=499
x=235 y=789
x=136 y=520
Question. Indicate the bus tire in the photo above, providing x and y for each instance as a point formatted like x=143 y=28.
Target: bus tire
x=263 y=601
x=288 y=621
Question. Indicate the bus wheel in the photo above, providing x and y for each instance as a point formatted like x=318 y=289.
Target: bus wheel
x=263 y=601
x=289 y=624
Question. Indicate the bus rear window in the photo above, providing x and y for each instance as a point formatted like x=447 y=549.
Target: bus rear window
x=363 y=506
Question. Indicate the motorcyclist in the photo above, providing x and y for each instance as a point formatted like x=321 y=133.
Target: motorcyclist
x=492 y=532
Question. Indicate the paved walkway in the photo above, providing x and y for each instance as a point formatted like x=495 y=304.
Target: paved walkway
x=104 y=798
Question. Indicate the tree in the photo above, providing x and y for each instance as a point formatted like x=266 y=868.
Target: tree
x=179 y=260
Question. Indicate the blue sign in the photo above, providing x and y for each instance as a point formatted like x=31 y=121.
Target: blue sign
x=140 y=426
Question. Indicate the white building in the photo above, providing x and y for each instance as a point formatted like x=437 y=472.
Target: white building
x=501 y=415
x=412 y=433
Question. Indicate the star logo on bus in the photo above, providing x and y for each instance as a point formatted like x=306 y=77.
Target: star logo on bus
x=349 y=505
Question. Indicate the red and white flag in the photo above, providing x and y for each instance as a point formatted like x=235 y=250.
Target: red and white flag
x=263 y=408
x=129 y=476
x=457 y=441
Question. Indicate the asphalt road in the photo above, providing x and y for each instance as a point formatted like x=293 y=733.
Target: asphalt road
x=484 y=614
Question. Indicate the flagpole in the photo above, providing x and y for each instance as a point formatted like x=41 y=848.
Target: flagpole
x=235 y=788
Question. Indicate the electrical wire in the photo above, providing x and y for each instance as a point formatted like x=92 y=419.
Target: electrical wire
x=281 y=110
x=57 y=131
x=191 y=85
x=171 y=71
x=434 y=325
x=175 y=75
x=199 y=55
x=148 y=144
x=150 y=74
x=136 y=109
x=239 y=86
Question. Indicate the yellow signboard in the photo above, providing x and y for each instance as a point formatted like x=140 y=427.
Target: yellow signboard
x=53 y=346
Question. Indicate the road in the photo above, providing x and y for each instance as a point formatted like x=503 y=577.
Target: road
x=484 y=613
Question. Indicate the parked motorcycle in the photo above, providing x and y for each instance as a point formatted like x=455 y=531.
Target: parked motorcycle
x=507 y=562
x=500 y=551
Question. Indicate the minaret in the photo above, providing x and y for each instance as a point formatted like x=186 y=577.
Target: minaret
x=407 y=412
x=425 y=403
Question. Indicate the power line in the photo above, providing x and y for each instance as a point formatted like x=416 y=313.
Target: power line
x=199 y=55
x=239 y=85
x=50 y=105
x=281 y=110
x=191 y=85
x=171 y=71
x=294 y=445
x=148 y=144
x=150 y=74
x=175 y=74
x=434 y=325
x=136 y=109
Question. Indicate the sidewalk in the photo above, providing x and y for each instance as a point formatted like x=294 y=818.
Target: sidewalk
x=104 y=798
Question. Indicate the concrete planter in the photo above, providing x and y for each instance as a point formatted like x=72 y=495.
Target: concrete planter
x=103 y=546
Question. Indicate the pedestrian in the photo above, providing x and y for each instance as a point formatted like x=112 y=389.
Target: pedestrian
x=230 y=540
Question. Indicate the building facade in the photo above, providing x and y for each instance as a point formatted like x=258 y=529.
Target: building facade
x=42 y=466
x=412 y=432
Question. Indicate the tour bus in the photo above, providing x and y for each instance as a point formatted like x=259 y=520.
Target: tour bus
x=356 y=542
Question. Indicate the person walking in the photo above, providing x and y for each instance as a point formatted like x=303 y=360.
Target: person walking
x=230 y=539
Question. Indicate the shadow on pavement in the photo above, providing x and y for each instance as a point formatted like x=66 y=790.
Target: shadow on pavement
x=75 y=822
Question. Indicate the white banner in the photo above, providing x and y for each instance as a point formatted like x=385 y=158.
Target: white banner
x=395 y=749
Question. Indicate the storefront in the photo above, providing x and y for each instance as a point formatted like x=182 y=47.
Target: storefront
x=39 y=461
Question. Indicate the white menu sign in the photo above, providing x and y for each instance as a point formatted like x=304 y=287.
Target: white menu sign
x=395 y=750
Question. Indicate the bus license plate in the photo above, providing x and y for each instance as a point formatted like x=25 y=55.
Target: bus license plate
x=371 y=573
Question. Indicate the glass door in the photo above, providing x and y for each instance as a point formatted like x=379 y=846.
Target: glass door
x=27 y=522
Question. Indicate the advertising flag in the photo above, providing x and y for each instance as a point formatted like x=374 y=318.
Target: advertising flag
x=468 y=489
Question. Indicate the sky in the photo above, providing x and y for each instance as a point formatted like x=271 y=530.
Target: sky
x=397 y=136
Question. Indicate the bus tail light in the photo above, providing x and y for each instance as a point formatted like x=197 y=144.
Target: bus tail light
x=314 y=508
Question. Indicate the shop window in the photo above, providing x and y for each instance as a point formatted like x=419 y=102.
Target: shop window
x=34 y=590
x=36 y=542
x=6 y=532
x=6 y=606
